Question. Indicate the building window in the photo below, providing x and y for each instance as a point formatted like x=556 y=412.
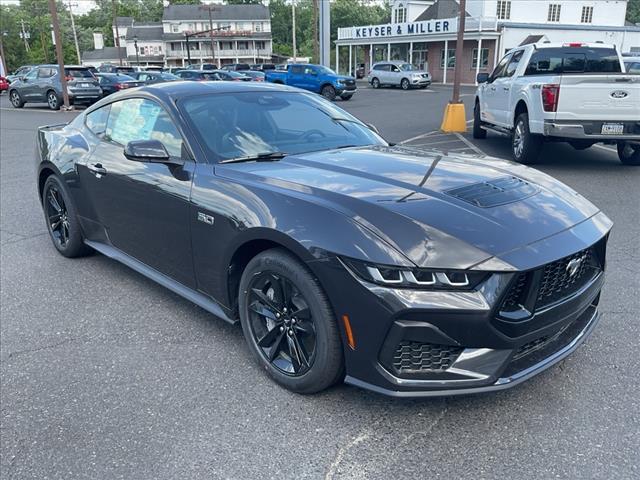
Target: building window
x=587 y=15
x=257 y=26
x=175 y=28
x=401 y=14
x=260 y=45
x=503 y=10
x=554 y=12
x=451 y=58
x=484 y=58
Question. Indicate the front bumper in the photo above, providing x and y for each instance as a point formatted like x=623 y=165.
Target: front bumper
x=419 y=82
x=462 y=341
x=590 y=130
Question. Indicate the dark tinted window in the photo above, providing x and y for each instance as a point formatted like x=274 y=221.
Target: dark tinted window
x=96 y=121
x=573 y=60
x=499 y=70
x=297 y=69
x=513 y=64
x=78 y=72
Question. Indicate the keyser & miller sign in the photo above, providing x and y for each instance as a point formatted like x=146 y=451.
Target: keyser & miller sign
x=427 y=27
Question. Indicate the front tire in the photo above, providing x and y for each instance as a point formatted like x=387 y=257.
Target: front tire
x=478 y=131
x=404 y=84
x=62 y=220
x=288 y=323
x=629 y=154
x=375 y=83
x=328 y=92
x=525 y=146
x=16 y=99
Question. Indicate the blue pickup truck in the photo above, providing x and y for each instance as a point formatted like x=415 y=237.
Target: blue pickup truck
x=315 y=78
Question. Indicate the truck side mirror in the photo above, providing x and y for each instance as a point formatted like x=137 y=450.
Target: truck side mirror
x=482 y=78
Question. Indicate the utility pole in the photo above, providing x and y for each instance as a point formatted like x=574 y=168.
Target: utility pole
x=43 y=42
x=325 y=44
x=75 y=35
x=24 y=36
x=316 y=45
x=59 y=54
x=293 y=16
x=213 y=51
x=454 y=115
x=114 y=11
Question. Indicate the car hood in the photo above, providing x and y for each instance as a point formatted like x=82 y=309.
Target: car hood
x=438 y=210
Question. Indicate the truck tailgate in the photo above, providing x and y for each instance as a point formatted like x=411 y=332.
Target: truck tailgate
x=599 y=97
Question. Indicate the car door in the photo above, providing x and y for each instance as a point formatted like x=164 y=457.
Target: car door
x=43 y=83
x=143 y=206
x=491 y=93
x=395 y=75
x=296 y=76
x=28 y=87
x=505 y=94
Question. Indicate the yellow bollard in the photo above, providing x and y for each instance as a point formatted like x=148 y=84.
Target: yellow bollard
x=454 y=119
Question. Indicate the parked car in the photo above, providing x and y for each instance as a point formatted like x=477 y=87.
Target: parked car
x=19 y=72
x=201 y=66
x=151 y=76
x=199 y=75
x=631 y=64
x=4 y=84
x=360 y=71
x=315 y=78
x=114 y=82
x=232 y=76
x=563 y=92
x=398 y=74
x=110 y=68
x=236 y=67
x=273 y=208
x=263 y=67
x=255 y=75
x=43 y=84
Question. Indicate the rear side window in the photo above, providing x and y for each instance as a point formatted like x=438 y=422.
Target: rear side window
x=554 y=61
x=46 y=72
x=96 y=121
x=297 y=69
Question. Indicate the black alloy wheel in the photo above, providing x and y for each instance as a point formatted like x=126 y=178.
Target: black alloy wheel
x=329 y=92
x=289 y=324
x=281 y=323
x=15 y=99
x=62 y=223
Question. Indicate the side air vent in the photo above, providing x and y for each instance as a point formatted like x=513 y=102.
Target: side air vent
x=496 y=192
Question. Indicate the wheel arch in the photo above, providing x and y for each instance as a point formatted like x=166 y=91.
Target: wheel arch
x=521 y=107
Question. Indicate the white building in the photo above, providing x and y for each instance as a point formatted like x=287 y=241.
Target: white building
x=423 y=32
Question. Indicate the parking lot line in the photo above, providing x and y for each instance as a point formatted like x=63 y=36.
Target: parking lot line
x=470 y=145
x=604 y=147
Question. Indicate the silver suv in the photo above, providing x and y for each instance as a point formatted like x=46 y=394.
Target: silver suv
x=42 y=84
x=401 y=74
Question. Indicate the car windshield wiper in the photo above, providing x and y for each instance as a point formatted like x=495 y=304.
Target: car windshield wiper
x=260 y=157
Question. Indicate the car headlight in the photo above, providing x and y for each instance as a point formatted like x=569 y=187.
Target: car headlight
x=342 y=82
x=415 y=278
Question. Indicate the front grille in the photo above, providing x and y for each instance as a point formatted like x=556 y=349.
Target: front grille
x=559 y=281
x=424 y=357
x=552 y=282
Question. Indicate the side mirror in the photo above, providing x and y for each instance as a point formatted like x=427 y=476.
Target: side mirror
x=146 y=151
x=482 y=78
x=23 y=78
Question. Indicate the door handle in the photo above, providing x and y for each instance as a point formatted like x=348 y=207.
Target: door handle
x=506 y=89
x=97 y=168
x=493 y=89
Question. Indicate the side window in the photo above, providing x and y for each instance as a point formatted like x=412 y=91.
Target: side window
x=45 y=72
x=296 y=70
x=499 y=70
x=96 y=121
x=513 y=64
x=310 y=71
x=32 y=74
x=394 y=68
x=140 y=119
x=545 y=61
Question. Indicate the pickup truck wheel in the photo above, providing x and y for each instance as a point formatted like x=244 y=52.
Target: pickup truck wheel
x=525 y=146
x=478 y=131
x=328 y=92
x=629 y=154
x=404 y=84
x=375 y=83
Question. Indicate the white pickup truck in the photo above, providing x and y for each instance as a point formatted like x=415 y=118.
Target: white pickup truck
x=576 y=93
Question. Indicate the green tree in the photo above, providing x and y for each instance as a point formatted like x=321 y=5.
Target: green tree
x=633 y=11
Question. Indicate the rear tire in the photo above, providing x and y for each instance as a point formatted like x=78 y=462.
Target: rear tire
x=53 y=100
x=288 y=323
x=629 y=154
x=478 y=131
x=62 y=219
x=328 y=92
x=404 y=84
x=375 y=83
x=16 y=99
x=525 y=146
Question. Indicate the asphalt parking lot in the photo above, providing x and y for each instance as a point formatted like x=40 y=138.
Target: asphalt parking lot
x=106 y=375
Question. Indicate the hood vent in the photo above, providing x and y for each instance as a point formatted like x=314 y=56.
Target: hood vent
x=496 y=192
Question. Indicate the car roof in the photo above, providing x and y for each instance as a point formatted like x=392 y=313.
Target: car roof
x=567 y=45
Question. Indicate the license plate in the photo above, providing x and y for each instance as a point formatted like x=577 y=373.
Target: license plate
x=612 y=129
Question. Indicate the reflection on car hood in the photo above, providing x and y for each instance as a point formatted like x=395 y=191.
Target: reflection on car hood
x=438 y=210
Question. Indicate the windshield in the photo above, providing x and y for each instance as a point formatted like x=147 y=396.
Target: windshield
x=169 y=76
x=406 y=67
x=325 y=70
x=78 y=72
x=245 y=124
